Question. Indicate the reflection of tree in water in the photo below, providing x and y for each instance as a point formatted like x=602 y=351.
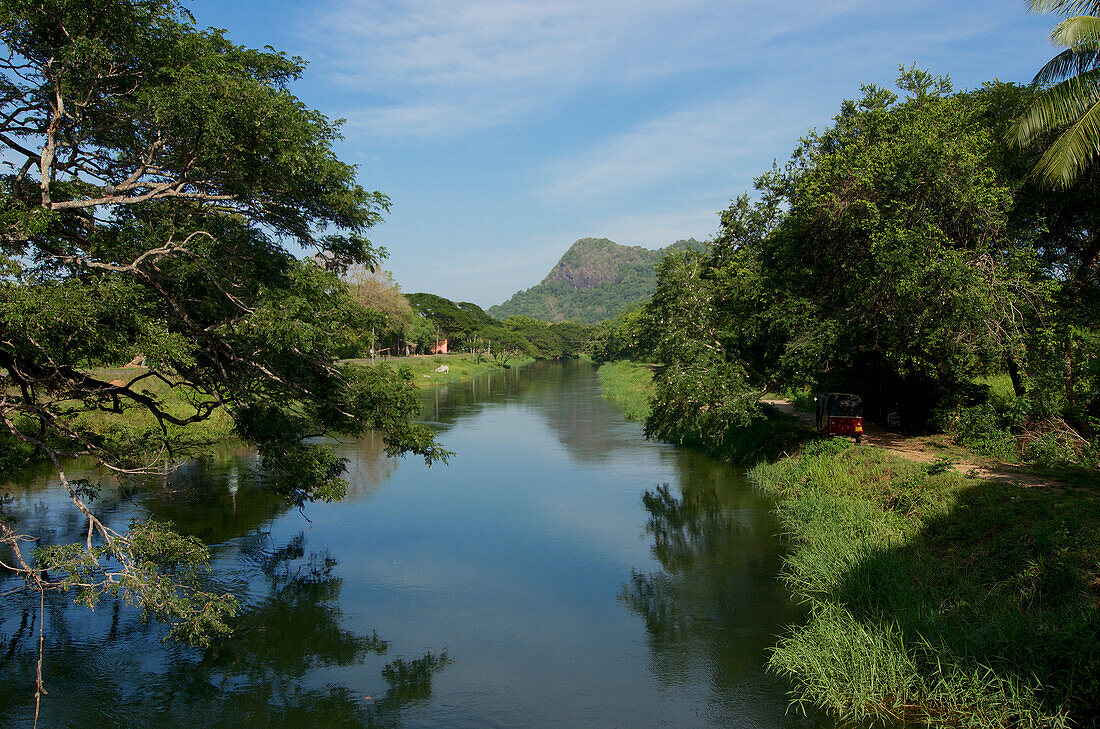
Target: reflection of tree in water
x=565 y=394
x=715 y=607
x=368 y=467
x=268 y=673
x=446 y=405
x=215 y=499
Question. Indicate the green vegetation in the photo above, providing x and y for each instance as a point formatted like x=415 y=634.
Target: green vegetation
x=468 y=328
x=943 y=265
x=935 y=598
x=772 y=434
x=153 y=174
x=460 y=368
x=136 y=430
x=1002 y=426
x=595 y=280
x=629 y=385
x=906 y=254
x=1070 y=107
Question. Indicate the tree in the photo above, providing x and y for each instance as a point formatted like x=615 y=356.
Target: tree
x=377 y=292
x=154 y=172
x=1070 y=103
x=885 y=258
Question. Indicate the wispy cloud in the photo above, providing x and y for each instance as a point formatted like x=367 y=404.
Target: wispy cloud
x=711 y=140
x=431 y=66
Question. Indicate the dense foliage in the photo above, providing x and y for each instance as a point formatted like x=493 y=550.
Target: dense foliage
x=467 y=327
x=153 y=172
x=595 y=280
x=900 y=254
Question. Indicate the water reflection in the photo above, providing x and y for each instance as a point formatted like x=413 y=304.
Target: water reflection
x=270 y=673
x=512 y=558
x=714 y=607
x=368 y=467
x=564 y=395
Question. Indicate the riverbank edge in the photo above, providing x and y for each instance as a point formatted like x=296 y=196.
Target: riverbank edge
x=934 y=598
x=134 y=426
x=629 y=386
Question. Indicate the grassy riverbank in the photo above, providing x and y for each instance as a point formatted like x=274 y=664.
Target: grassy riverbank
x=937 y=598
x=629 y=386
x=461 y=367
x=136 y=431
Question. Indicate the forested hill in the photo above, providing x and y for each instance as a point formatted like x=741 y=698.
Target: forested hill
x=595 y=280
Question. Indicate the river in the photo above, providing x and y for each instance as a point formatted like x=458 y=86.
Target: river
x=561 y=571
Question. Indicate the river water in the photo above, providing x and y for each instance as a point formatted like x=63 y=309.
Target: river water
x=561 y=571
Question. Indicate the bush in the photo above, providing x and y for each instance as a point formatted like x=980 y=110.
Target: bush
x=986 y=430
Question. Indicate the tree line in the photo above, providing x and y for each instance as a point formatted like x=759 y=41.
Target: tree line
x=902 y=253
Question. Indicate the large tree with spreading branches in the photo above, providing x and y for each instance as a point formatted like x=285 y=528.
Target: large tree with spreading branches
x=153 y=177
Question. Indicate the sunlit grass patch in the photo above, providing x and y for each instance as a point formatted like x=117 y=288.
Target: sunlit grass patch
x=629 y=386
x=935 y=598
x=460 y=367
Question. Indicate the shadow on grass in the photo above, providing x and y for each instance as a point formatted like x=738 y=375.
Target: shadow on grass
x=938 y=599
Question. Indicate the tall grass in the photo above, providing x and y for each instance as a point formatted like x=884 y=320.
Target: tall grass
x=937 y=599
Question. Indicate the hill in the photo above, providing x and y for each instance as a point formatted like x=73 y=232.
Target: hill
x=595 y=280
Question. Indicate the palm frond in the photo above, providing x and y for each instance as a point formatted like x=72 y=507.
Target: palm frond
x=1073 y=151
x=1068 y=63
x=1065 y=7
x=1081 y=32
x=1061 y=104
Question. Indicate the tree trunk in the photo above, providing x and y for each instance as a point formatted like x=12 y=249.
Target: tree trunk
x=1014 y=373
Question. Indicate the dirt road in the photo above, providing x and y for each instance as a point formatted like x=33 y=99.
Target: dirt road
x=926 y=449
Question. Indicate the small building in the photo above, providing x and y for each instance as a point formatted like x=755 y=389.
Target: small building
x=439 y=347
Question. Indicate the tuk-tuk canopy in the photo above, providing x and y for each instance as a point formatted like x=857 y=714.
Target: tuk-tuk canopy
x=841 y=404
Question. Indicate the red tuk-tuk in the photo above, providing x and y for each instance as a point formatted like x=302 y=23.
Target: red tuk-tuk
x=840 y=413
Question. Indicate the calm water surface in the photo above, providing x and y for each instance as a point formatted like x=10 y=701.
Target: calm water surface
x=560 y=572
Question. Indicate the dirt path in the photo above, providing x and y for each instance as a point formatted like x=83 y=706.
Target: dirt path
x=926 y=449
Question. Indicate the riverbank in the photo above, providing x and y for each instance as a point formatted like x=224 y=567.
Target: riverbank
x=936 y=598
x=136 y=431
x=461 y=367
x=629 y=385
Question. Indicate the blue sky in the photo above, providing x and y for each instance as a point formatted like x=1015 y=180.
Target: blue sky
x=505 y=130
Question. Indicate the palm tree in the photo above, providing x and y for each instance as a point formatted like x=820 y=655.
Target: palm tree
x=1070 y=98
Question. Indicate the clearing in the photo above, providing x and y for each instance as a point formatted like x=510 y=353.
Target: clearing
x=930 y=448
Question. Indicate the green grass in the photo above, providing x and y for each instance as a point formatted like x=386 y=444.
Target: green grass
x=937 y=599
x=461 y=367
x=1001 y=392
x=629 y=386
x=135 y=431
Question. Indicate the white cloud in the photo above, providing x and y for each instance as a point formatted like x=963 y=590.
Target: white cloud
x=719 y=141
x=437 y=66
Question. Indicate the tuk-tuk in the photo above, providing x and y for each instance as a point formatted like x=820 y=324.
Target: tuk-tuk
x=840 y=413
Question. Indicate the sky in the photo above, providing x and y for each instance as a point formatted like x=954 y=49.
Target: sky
x=504 y=130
